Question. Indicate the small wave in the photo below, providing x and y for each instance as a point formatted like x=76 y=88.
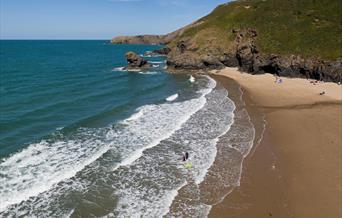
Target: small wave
x=198 y=135
x=197 y=104
x=192 y=79
x=155 y=65
x=48 y=163
x=40 y=166
x=172 y=97
x=135 y=116
x=37 y=168
x=148 y=162
x=148 y=72
x=157 y=62
x=133 y=70
x=151 y=55
x=200 y=101
x=119 y=69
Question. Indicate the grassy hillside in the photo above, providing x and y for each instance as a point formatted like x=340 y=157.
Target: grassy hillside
x=310 y=28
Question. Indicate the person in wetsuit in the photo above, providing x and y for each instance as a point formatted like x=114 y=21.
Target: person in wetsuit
x=185 y=156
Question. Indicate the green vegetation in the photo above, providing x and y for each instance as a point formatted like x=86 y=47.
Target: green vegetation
x=310 y=28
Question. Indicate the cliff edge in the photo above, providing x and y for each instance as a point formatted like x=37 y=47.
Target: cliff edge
x=288 y=38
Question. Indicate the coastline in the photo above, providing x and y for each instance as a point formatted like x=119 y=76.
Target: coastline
x=295 y=171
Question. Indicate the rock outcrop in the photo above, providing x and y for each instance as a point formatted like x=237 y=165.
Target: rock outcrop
x=163 y=51
x=136 y=62
x=240 y=34
x=246 y=56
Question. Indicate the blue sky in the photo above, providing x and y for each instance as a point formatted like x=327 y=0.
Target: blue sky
x=97 y=19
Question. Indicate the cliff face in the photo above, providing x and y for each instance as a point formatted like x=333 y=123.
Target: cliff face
x=288 y=38
x=142 y=39
x=245 y=54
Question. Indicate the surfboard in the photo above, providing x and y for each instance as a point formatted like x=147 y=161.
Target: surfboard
x=188 y=165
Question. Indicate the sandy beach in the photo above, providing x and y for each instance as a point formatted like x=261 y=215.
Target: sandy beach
x=295 y=171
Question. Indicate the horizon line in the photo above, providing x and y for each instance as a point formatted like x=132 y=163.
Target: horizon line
x=50 y=39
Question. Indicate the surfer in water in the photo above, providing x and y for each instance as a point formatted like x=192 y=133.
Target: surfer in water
x=185 y=156
x=187 y=164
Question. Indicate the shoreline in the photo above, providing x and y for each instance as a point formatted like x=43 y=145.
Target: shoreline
x=295 y=171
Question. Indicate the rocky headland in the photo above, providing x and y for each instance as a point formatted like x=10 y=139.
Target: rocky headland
x=141 y=39
x=303 y=40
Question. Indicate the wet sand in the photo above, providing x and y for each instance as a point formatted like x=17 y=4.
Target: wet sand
x=295 y=171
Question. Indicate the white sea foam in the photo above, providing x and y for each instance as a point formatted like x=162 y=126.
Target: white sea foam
x=151 y=55
x=198 y=135
x=170 y=197
x=192 y=79
x=135 y=116
x=157 y=62
x=131 y=193
x=119 y=69
x=148 y=72
x=133 y=70
x=233 y=147
x=170 y=117
x=172 y=97
x=170 y=129
x=208 y=130
x=39 y=167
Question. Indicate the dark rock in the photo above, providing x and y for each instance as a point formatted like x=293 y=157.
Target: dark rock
x=162 y=51
x=229 y=60
x=181 y=47
x=185 y=61
x=135 y=61
x=245 y=57
x=212 y=62
x=189 y=61
x=294 y=66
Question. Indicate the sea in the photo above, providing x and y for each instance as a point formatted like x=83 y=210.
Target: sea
x=80 y=136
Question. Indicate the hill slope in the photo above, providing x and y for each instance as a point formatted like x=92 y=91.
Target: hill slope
x=285 y=37
x=307 y=28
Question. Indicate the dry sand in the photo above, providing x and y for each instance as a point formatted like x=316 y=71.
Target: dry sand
x=264 y=91
x=296 y=169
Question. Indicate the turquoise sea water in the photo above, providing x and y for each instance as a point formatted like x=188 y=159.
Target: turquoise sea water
x=82 y=137
x=52 y=85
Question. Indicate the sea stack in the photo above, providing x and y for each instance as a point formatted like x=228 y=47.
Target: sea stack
x=136 y=62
